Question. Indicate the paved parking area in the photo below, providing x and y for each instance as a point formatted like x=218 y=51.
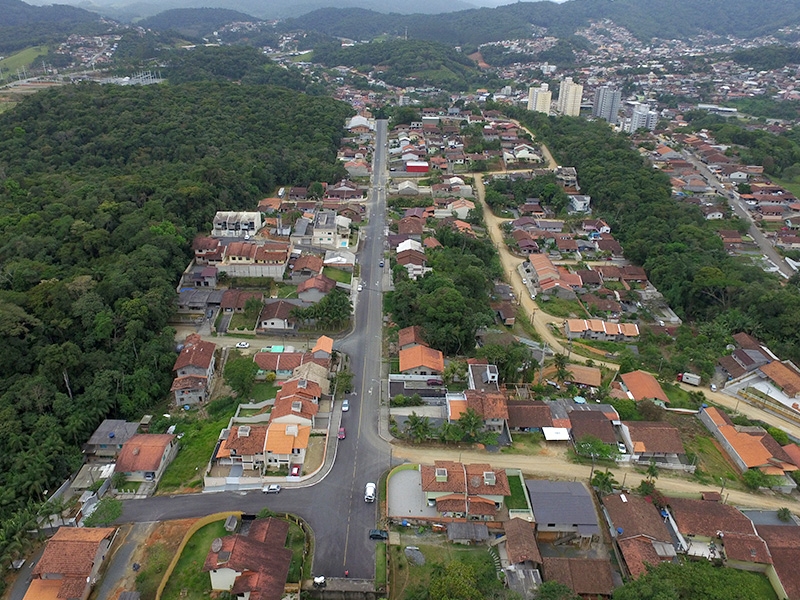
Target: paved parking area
x=405 y=498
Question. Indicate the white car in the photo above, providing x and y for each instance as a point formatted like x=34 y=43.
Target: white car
x=621 y=447
x=345 y=405
x=242 y=344
x=360 y=288
x=272 y=488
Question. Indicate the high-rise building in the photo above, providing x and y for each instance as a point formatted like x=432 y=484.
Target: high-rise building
x=606 y=104
x=569 y=97
x=539 y=99
x=643 y=118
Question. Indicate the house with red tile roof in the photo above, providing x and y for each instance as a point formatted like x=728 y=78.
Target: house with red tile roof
x=243 y=445
x=408 y=337
x=641 y=385
x=421 y=360
x=784 y=376
x=253 y=566
x=276 y=316
x=524 y=415
x=639 y=532
x=315 y=288
x=70 y=563
x=587 y=577
x=655 y=441
x=145 y=456
x=283 y=364
x=472 y=492
x=783 y=542
x=522 y=551
x=195 y=358
x=307 y=265
x=750 y=447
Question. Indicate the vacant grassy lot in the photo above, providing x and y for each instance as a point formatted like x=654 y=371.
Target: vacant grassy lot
x=295 y=541
x=517 y=498
x=200 y=436
x=559 y=307
x=263 y=390
x=680 y=398
x=337 y=275
x=525 y=443
x=712 y=466
x=22 y=58
x=188 y=574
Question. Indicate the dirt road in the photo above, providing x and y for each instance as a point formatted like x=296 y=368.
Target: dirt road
x=553 y=467
x=541 y=320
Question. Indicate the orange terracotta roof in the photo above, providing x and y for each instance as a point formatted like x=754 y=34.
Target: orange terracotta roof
x=456 y=408
x=643 y=385
x=421 y=356
x=783 y=376
x=44 y=589
x=72 y=550
x=246 y=442
x=281 y=438
x=304 y=388
x=410 y=335
x=195 y=353
x=324 y=343
x=584 y=375
x=489 y=405
x=305 y=409
x=639 y=552
x=143 y=452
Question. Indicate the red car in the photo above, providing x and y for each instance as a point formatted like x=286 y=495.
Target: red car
x=342 y=433
x=295 y=472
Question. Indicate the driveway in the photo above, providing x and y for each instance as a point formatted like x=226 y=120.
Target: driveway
x=405 y=497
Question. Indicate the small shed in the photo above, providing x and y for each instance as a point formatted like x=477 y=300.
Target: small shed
x=231 y=523
x=467 y=533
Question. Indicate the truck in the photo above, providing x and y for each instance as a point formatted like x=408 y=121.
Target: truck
x=689 y=378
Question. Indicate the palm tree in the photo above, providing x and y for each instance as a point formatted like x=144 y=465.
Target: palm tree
x=604 y=482
x=418 y=428
x=471 y=425
x=562 y=372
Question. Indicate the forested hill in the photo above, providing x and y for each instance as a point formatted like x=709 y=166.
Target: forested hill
x=644 y=18
x=194 y=22
x=23 y=25
x=101 y=190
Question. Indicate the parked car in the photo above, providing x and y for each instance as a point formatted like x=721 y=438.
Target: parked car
x=378 y=534
x=369 y=492
x=435 y=382
x=713 y=387
x=345 y=405
x=342 y=434
x=295 y=471
x=272 y=488
x=380 y=264
x=360 y=288
x=242 y=344
x=621 y=447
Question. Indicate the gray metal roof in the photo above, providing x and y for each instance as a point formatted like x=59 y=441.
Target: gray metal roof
x=563 y=502
x=113 y=431
x=467 y=531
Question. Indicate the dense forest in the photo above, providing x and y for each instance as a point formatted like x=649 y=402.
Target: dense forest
x=665 y=19
x=194 y=22
x=683 y=257
x=406 y=62
x=101 y=190
x=767 y=58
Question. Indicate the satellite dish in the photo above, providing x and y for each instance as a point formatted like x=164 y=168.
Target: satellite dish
x=216 y=545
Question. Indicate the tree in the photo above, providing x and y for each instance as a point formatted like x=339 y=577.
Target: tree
x=604 y=482
x=778 y=435
x=456 y=581
x=343 y=382
x=652 y=471
x=562 y=371
x=591 y=446
x=784 y=514
x=240 y=374
x=471 y=425
x=418 y=428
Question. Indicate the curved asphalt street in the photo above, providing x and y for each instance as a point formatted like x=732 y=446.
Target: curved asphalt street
x=334 y=505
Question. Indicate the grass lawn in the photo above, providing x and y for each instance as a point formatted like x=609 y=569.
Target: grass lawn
x=296 y=541
x=712 y=465
x=408 y=580
x=287 y=291
x=558 y=307
x=23 y=58
x=525 y=443
x=188 y=574
x=517 y=497
x=200 y=437
x=337 y=274
x=263 y=390
x=380 y=565
x=679 y=398
x=241 y=321
x=306 y=57
x=156 y=560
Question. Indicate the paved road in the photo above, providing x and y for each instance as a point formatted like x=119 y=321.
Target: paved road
x=334 y=507
x=741 y=211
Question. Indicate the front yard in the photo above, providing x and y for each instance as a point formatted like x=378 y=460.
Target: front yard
x=188 y=575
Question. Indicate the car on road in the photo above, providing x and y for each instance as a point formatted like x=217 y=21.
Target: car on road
x=380 y=264
x=713 y=387
x=345 y=405
x=369 y=492
x=360 y=288
x=378 y=534
x=342 y=433
x=524 y=280
x=295 y=472
x=242 y=345
x=272 y=488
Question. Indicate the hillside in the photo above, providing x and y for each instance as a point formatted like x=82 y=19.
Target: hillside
x=104 y=188
x=645 y=19
x=23 y=25
x=194 y=22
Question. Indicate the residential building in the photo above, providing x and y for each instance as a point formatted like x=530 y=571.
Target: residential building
x=540 y=99
x=524 y=415
x=654 y=441
x=421 y=360
x=569 y=97
x=108 y=438
x=562 y=509
x=236 y=224
x=194 y=371
x=587 y=577
x=408 y=337
x=252 y=566
x=256 y=259
x=286 y=444
x=642 y=118
x=642 y=385
x=607 y=101
x=473 y=492
x=639 y=532
x=523 y=556
x=145 y=456
x=277 y=316
x=70 y=563
x=243 y=445
x=597 y=329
